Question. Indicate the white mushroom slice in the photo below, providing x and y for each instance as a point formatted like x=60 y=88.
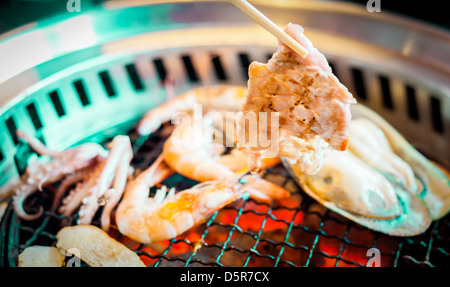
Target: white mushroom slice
x=96 y=247
x=41 y=256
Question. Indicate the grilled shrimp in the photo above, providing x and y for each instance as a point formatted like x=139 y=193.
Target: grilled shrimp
x=39 y=174
x=167 y=215
x=217 y=98
x=193 y=154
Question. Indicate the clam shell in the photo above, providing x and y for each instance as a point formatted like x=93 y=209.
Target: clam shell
x=435 y=185
x=370 y=144
x=352 y=185
x=414 y=215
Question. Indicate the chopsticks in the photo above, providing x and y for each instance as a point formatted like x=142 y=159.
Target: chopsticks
x=267 y=24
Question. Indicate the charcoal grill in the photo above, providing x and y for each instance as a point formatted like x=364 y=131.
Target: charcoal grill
x=93 y=75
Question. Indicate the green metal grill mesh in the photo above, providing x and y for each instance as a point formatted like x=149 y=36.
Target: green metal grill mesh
x=296 y=232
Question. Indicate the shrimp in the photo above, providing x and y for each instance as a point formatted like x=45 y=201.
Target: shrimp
x=193 y=154
x=167 y=215
x=39 y=174
x=217 y=98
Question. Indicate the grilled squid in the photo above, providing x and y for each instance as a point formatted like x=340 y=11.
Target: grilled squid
x=103 y=185
x=41 y=173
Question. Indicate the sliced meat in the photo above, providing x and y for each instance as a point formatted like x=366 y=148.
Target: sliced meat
x=310 y=100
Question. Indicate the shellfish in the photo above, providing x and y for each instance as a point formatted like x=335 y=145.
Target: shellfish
x=433 y=185
x=350 y=187
x=381 y=182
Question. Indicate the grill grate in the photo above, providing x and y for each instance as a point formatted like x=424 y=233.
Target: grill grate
x=294 y=232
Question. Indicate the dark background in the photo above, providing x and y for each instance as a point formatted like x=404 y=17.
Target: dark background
x=14 y=13
x=434 y=12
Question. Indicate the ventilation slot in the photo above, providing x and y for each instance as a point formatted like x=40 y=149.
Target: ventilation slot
x=436 y=115
x=386 y=92
x=57 y=104
x=108 y=84
x=2 y=157
x=245 y=62
x=21 y=159
x=12 y=128
x=218 y=68
x=82 y=94
x=134 y=77
x=34 y=115
x=160 y=69
x=190 y=70
x=358 y=80
x=23 y=153
x=411 y=103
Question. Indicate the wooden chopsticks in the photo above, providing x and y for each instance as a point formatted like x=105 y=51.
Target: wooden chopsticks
x=267 y=24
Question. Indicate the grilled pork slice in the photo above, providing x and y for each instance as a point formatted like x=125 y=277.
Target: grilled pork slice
x=312 y=105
